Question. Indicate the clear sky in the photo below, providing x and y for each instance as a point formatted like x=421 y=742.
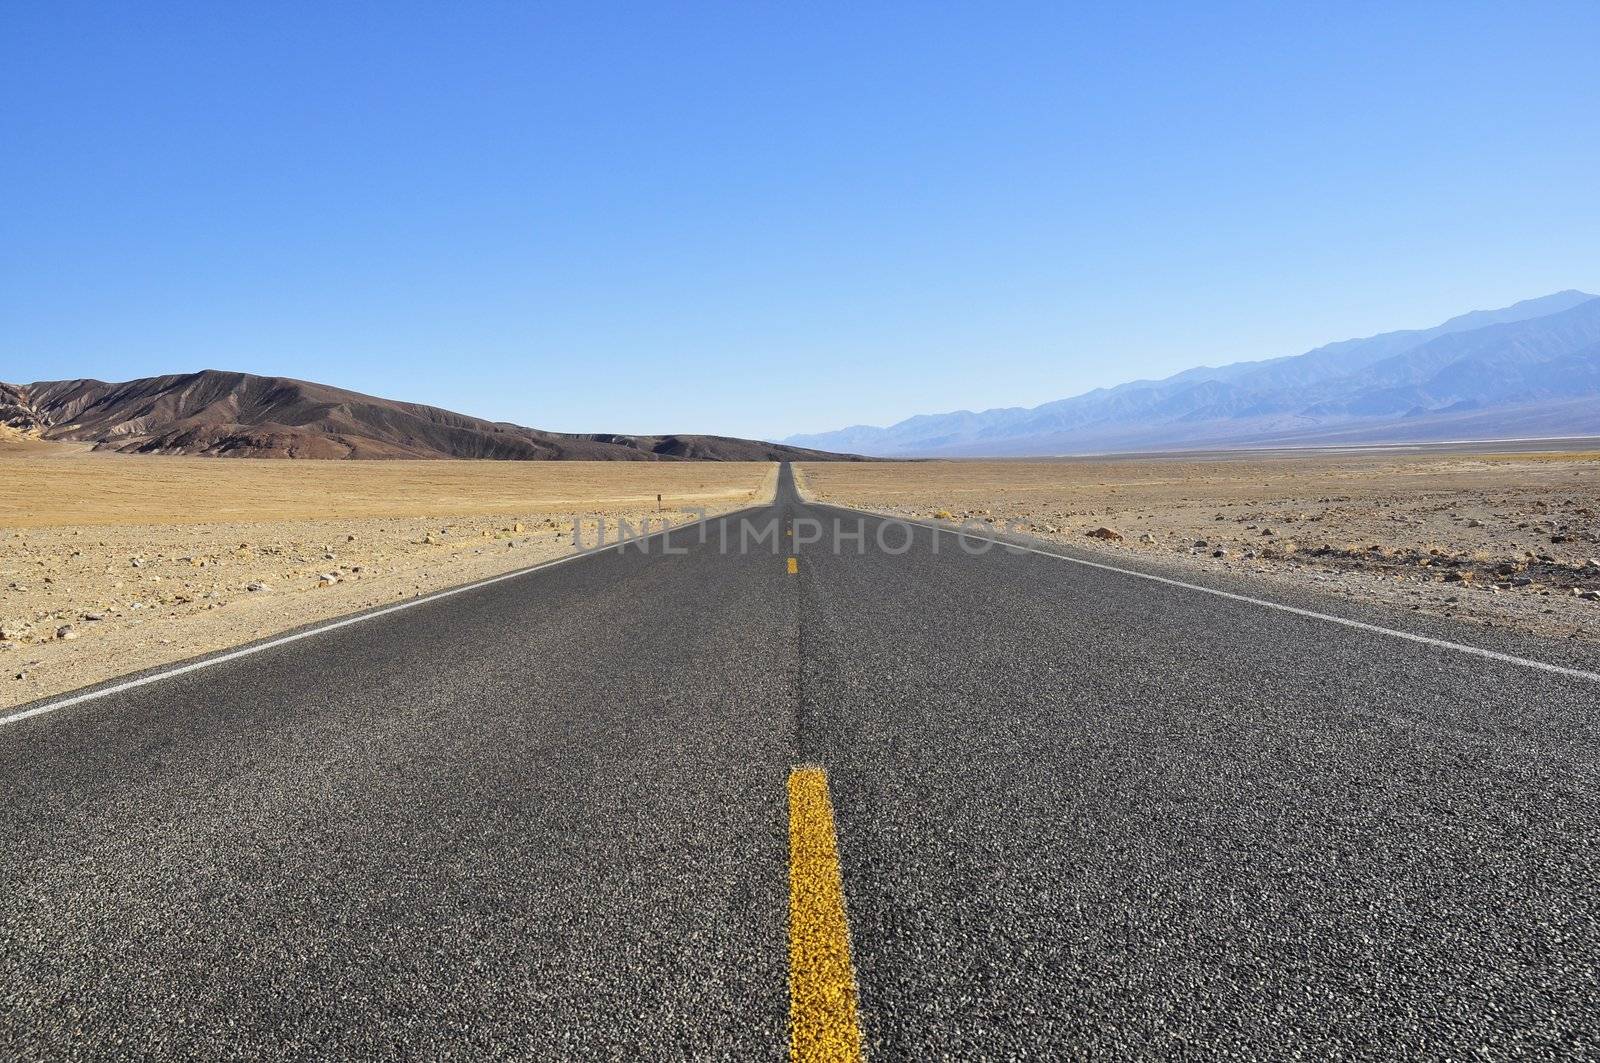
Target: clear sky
x=761 y=218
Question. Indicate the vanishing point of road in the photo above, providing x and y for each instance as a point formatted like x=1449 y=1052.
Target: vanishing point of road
x=915 y=802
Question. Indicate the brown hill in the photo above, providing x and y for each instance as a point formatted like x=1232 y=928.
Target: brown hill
x=241 y=415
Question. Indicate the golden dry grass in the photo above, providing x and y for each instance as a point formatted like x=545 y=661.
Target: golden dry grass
x=51 y=485
x=1523 y=529
x=1200 y=482
x=110 y=564
x=11 y=440
x=1545 y=456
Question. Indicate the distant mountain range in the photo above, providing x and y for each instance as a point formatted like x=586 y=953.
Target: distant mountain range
x=1532 y=369
x=240 y=415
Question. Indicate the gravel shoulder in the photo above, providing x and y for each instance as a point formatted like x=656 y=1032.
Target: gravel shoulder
x=109 y=565
x=1481 y=540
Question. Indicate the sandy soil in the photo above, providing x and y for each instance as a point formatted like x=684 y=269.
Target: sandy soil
x=111 y=564
x=1486 y=539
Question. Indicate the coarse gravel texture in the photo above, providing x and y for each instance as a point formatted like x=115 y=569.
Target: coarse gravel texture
x=507 y=824
x=1471 y=536
x=1084 y=816
x=160 y=580
x=1080 y=815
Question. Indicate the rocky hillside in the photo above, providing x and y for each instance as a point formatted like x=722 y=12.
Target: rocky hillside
x=1532 y=369
x=241 y=415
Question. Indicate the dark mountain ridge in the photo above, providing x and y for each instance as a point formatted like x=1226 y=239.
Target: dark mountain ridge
x=242 y=415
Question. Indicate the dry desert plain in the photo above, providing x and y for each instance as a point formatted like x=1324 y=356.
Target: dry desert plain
x=1486 y=539
x=112 y=564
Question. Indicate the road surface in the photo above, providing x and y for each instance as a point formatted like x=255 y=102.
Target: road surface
x=1079 y=814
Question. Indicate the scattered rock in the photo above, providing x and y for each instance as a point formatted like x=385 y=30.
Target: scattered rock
x=255 y=587
x=94 y=616
x=1474 y=523
x=1219 y=553
x=1108 y=534
x=136 y=562
x=65 y=631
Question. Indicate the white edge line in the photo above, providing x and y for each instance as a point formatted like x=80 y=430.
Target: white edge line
x=1427 y=640
x=233 y=655
x=195 y=666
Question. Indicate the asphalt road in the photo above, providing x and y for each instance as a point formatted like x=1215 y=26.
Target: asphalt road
x=1080 y=815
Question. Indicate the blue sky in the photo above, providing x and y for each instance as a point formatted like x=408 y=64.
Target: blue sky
x=763 y=218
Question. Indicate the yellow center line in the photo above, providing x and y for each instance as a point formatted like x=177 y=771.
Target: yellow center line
x=794 y=565
x=823 y=1027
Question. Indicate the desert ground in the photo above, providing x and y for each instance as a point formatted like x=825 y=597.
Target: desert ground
x=111 y=564
x=1484 y=538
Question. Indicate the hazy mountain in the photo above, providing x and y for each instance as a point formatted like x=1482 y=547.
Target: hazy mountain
x=1537 y=363
x=240 y=415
